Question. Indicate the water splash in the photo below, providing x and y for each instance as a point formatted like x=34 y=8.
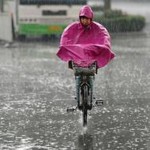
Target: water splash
x=33 y=147
x=84 y=130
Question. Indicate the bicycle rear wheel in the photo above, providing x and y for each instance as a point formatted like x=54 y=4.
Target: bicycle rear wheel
x=84 y=109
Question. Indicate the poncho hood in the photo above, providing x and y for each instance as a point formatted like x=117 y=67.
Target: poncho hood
x=86 y=11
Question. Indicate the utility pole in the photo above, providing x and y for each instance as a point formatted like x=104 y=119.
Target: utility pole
x=1 y=5
x=17 y=15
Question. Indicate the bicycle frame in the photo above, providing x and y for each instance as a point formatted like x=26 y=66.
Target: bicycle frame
x=81 y=82
x=84 y=78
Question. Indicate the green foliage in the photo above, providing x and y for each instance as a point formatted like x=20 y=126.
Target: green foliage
x=117 y=21
x=97 y=8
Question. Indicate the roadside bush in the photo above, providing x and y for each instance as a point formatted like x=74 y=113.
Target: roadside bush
x=113 y=14
x=117 y=21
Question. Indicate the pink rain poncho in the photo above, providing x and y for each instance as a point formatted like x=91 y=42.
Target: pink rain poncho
x=85 y=45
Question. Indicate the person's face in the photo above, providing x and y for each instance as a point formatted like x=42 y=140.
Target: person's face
x=85 y=21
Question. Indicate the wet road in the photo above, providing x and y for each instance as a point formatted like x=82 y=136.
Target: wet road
x=36 y=88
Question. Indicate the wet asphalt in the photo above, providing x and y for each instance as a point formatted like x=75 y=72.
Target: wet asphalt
x=36 y=88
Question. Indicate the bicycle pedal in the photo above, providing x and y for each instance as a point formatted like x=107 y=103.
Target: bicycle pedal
x=99 y=102
x=71 y=109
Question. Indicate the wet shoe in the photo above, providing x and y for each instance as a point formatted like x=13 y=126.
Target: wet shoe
x=89 y=106
x=80 y=107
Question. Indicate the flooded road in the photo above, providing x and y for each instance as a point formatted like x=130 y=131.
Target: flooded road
x=36 y=88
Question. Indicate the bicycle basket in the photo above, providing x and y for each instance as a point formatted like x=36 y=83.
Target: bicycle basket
x=91 y=70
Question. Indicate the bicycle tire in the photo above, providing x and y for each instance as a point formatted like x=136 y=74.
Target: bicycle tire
x=84 y=109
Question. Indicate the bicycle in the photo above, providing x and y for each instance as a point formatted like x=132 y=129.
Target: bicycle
x=84 y=77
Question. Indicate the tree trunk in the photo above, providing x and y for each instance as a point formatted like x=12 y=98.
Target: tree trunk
x=107 y=5
x=1 y=5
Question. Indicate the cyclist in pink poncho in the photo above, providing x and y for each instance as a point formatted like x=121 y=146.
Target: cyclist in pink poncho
x=85 y=41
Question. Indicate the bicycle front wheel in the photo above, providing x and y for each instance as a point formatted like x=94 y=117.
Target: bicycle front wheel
x=85 y=99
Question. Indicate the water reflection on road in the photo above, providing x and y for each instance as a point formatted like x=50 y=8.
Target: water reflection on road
x=36 y=88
